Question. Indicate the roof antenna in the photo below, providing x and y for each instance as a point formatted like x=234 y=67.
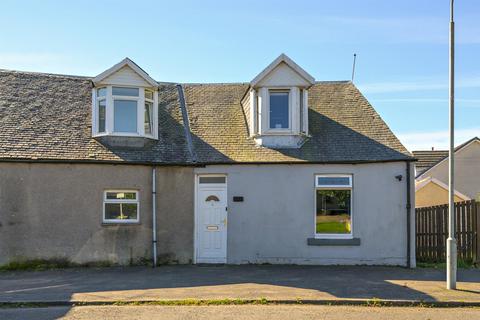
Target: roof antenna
x=353 y=69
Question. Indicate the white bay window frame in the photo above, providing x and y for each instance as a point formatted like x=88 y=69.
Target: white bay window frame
x=110 y=116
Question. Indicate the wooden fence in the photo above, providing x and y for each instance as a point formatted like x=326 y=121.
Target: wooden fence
x=432 y=231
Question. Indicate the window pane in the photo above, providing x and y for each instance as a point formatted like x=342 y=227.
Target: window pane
x=148 y=94
x=119 y=91
x=125 y=116
x=101 y=115
x=333 y=181
x=333 y=211
x=121 y=211
x=122 y=195
x=278 y=110
x=112 y=211
x=148 y=117
x=101 y=92
x=211 y=180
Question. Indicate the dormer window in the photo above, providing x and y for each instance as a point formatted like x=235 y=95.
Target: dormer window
x=125 y=103
x=277 y=105
x=125 y=109
x=279 y=112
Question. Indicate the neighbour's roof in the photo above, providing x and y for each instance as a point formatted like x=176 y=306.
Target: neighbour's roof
x=427 y=159
x=48 y=117
x=44 y=116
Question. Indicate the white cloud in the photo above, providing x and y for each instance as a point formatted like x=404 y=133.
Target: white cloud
x=437 y=139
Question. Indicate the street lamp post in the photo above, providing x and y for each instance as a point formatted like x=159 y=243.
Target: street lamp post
x=451 y=241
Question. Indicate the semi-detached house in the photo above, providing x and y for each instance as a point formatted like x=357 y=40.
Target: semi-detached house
x=121 y=168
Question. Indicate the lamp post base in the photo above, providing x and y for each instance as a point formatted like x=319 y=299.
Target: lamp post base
x=451 y=264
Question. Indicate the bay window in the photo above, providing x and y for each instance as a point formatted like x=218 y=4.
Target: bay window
x=125 y=111
x=333 y=206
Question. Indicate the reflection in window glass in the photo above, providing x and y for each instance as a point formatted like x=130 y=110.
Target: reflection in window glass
x=279 y=110
x=102 y=106
x=148 y=124
x=121 y=211
x=149 y=94
x=101 y=92
x=333 y=212
x=120 y=91
x=333 y=181
x=211 y=180
x=122 y=195
x=125 y=116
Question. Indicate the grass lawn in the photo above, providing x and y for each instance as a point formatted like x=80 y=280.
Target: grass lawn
x=332 y=227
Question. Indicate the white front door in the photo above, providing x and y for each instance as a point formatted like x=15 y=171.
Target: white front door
x=211 y=218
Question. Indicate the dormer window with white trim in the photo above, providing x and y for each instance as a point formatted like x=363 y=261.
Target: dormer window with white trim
x=125 y=103
x=277 y=105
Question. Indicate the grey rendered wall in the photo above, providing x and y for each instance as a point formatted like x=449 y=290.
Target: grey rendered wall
x=467 y=171
x=275 y=220
x=55 y=210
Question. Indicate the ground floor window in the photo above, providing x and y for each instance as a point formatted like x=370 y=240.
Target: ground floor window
x=333 y=202
x=120 y=206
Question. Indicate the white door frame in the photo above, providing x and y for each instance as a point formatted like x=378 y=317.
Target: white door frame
x=196 y=210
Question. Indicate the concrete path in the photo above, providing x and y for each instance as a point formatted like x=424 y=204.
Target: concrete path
x=237 y=282
x=239 y=313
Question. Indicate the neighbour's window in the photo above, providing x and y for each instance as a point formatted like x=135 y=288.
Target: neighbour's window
x=102 y=106
x=125 y=111
x=120 y=206
x=333 y=216
x=148 y=119
x=279 y=109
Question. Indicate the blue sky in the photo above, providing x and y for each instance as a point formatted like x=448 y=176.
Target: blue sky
x=401 y=46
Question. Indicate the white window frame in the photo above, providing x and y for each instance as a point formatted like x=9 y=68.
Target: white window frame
x=333 y=187
x=97 y=108
x=280 y=130
x=109 y=114
x=152 y=120
x=136 y=201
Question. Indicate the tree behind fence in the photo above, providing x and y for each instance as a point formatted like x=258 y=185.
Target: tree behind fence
x=432 y=231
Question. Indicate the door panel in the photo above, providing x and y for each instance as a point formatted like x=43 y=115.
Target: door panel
x=212 y=224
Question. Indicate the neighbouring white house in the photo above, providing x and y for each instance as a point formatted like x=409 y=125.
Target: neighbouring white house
x=123 y=168
x=431 y=183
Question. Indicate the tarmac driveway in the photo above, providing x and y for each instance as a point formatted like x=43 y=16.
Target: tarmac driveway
x=237 y=282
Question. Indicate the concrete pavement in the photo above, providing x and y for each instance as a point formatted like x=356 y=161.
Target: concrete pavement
x=316 y=283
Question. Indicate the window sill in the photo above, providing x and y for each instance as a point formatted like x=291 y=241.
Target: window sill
x=113 y=224
x=333 y=242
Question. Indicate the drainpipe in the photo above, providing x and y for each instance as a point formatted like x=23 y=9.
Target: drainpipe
x=409 y=209
x=154 y=216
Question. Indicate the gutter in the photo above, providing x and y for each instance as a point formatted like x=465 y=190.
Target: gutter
x=409 y=212
x=154 y=216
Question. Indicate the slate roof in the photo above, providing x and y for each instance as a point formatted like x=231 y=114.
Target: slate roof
x=48 y=117
x=427 y=159
x=343 y=127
